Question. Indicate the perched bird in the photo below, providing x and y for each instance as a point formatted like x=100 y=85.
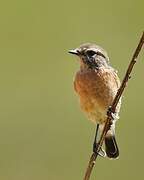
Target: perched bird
x=96 y=84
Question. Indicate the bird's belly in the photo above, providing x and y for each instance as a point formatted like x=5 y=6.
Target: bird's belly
x=95 y=94
x=93 y=110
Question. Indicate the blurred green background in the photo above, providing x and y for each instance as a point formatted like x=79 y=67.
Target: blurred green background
x=43 y=134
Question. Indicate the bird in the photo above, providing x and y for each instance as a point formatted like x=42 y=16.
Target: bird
x=96 y=83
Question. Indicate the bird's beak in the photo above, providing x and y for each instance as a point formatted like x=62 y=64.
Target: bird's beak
x=74 y=51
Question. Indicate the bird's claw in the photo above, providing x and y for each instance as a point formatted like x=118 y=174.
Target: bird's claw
x=101 y=152
x=111 y=113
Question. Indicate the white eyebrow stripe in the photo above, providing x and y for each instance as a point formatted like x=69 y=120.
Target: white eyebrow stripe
x=100 y=54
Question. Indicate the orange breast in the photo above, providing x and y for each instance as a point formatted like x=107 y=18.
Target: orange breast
x=96 y=90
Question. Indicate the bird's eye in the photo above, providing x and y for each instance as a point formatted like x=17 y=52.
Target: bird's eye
x=90 y=53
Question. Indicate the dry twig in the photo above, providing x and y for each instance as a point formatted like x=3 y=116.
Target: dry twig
x=94 y=156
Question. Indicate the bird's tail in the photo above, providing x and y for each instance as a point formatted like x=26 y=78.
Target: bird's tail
x=111 y=147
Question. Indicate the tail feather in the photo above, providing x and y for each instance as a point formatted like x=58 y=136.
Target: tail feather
x=111 y=147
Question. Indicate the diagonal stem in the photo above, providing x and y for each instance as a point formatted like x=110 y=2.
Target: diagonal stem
x=94 y=156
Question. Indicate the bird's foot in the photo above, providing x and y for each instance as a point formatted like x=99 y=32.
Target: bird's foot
x=101 y=152
x=111 y=113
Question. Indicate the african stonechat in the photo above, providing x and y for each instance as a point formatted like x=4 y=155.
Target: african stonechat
x=96 y=84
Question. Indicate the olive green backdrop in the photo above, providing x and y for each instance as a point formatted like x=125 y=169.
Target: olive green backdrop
x=43 y=134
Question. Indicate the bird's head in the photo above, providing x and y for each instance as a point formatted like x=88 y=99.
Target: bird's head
x=91 y=55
